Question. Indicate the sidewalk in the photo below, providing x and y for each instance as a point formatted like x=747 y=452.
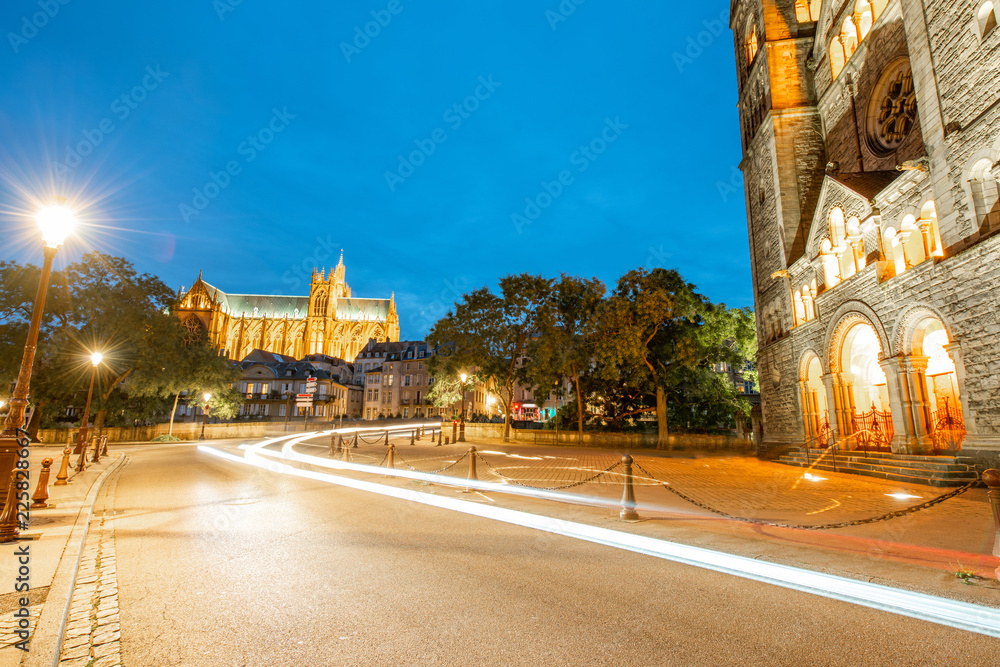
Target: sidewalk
x=53 y=542
x=923 y=550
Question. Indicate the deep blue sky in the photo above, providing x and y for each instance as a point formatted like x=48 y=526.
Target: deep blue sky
x=651 y=199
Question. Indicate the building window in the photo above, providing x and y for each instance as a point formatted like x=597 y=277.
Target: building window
x=406 y=413
x=987 y=17
x=407 y=380
x=752 y=44
x=856 y=26
x=807 y=11
x=265 y=388
x=985 y=197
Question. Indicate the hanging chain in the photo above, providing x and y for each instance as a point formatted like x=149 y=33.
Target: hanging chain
x=546 y=488
x=826 y=526
x=431 y=472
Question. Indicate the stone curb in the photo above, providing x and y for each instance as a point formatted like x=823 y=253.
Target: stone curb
x=47 y=640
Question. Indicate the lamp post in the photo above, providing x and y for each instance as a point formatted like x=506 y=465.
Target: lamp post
x=95 y=361
x=204 y=414
x=55 y=223
x=461 y=427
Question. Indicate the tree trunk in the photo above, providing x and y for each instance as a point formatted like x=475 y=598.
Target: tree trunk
x=177 y=397
x=36 y=422
x=663 y=432
x=579 y=404
x=506 y=415
x=99 y=421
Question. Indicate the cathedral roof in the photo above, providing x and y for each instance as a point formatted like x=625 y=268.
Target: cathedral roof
x=360 y=310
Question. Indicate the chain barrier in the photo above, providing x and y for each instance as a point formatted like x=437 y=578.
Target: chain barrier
x=382 y=462
x=825 y=526
x=370 y=442
x=432 y=472
x=546 y=488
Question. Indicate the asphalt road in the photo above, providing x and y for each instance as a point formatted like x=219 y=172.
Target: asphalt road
x=223 y=564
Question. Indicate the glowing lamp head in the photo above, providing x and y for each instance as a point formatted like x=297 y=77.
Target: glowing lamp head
x=96 y=359
x=55 y=222
x=464 y=377
x=207 y=396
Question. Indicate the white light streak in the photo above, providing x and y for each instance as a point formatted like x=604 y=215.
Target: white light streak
x=952 y=613
x=902 y=496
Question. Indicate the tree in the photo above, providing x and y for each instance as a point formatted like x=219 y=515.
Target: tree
x=191 y=367
x=488 y=334
x=564 y=344
x=668 y=336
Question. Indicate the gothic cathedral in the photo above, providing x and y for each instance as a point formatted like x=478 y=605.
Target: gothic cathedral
x=871 y=161
x=329 y=321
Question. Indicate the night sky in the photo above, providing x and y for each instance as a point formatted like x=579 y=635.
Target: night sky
x=255 y=139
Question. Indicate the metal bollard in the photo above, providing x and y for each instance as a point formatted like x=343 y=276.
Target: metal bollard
x=628 y=512
x=992 y=479
x=346 y=455
x=104 y=445
x=355 y=445
x=447 y=441
x=81 y=464
x=97 y=450
x=472 y=467
x=390 y=461
x=440 y=436
x=62 y=479
x=334 y=444
x=413 y=437
x=387 y=436
x=42 y=490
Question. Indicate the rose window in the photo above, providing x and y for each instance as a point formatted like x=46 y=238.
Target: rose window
x=892 y=111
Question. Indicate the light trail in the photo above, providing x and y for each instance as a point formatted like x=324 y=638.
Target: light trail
x=951 y=613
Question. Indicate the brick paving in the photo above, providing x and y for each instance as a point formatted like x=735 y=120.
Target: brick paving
x=93 y=632
x=10 y=625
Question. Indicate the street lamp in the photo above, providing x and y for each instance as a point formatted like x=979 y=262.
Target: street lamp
x=55 y=224
x=204 y=414
x=95 y=360
x=461 y=428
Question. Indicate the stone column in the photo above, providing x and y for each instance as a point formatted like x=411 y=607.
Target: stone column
x=834 y=401
x=899 y=404
x=806 y=401
x=916 y=379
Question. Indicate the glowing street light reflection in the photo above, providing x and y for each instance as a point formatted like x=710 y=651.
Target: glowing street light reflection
x=943 y=611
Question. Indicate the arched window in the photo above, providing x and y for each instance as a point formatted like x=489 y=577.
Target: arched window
x=987 y=17
x=928 y=225
x=319 y=304
x=807 y=10
x=985 y=197
x=911 y=241
x=893 y=249
x=837 y=56
x=855 y=28
x=751 y=42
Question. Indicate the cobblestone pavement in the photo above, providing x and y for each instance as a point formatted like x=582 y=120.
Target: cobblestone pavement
x=94 y=630
x=738 y=485
x=10 y=625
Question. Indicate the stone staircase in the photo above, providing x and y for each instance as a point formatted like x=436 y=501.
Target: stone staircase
x=912 y=469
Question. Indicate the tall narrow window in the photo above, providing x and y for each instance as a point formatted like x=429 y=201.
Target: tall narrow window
x=987 y=17
x=751 y=43
x=985 y=197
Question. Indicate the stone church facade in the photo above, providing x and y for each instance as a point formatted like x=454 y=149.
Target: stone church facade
x=330 y=321
x=871 y=161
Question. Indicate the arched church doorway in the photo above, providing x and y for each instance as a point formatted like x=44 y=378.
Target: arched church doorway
x=937 y=396
x=866 y=416
x=815 y=408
